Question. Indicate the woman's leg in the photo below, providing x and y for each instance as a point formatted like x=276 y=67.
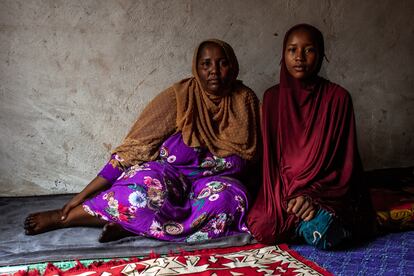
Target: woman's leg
x=113 y=232
x=41 y=222
x=219 y=206
x=128 y=207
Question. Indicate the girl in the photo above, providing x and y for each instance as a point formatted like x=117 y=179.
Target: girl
x=312 y=185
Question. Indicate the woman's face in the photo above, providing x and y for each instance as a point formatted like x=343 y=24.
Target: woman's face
x=213 y=69
x=301 y=54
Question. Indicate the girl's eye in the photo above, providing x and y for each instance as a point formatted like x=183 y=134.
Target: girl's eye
x=310 y=50
x=291 y=50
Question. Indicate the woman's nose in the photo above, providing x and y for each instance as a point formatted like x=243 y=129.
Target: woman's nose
x=215 y=68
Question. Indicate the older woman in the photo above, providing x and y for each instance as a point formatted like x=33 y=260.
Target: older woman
x=176 y=175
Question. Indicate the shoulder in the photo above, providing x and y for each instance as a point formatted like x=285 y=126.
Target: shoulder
x=241 y=90
x=335 y=91
x=183 y=85
x=166 y=93
x=166 y=97
x=337 y=97
x=271 y=92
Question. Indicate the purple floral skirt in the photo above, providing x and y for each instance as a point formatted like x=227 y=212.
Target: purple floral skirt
x=188 y=194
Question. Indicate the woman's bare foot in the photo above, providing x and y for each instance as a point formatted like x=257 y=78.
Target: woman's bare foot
x=113 y=232
x=43 y=221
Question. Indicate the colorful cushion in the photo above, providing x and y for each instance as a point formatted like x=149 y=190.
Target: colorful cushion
x=394 y=209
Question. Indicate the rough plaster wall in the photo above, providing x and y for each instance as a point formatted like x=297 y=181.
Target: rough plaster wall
x=75 y=74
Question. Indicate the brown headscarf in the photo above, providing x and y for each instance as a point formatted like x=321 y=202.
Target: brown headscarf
x=225 y=124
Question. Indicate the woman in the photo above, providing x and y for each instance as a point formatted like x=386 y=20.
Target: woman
x=176 y=175
x=312 y=185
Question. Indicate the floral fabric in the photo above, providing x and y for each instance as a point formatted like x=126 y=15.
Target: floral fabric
x=187 y=194
x=394 y=207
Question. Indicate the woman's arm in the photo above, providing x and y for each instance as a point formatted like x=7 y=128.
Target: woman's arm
x=109 y=173
x=97 y=184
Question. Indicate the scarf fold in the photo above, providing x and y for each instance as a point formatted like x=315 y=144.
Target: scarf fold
x=225 y=124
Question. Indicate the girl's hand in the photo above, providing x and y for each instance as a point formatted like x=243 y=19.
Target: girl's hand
x=301 y=207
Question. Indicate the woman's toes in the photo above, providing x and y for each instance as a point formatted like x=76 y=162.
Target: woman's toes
x=28 y=219
x=28 y=222
x=42 y=222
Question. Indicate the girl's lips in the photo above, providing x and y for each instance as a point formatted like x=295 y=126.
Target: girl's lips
x=299 y=68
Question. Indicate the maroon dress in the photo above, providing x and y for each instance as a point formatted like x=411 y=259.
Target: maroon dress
x=309 y=149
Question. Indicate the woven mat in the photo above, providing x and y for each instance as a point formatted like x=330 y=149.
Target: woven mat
x=254 y=259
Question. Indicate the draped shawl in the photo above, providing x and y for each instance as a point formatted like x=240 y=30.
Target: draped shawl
x=309 y=149
x=225 y=124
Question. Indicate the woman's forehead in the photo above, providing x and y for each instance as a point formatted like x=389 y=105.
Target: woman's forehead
x=209 y=47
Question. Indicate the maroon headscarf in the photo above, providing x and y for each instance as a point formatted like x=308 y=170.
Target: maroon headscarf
x=309 y=149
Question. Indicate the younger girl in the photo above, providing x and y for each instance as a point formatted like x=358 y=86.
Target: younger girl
x=312 y=186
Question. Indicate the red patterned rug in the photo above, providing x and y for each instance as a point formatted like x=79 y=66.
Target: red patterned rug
x=254 y=259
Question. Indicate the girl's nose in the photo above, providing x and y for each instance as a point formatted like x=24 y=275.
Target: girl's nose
x=300 y=55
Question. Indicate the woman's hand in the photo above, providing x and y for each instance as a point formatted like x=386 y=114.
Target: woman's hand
x=75 y=201
x=302 y=207
x=96 y=185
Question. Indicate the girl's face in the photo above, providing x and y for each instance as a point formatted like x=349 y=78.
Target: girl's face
x=301 y=54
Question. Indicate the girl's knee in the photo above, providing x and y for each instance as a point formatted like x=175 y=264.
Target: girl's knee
x=324 y=231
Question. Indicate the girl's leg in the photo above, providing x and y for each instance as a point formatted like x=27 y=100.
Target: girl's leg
x=324 y=231
x=41 y=222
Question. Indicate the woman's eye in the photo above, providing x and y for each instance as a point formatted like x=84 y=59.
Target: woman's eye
x=224 y=63
x=291 y=50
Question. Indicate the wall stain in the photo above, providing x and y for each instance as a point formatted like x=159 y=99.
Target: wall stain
x=108 y=146
x=62 y=118
x=141 y=82
x=66 y=146
x=100 y=62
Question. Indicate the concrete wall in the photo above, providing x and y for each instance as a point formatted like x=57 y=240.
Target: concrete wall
x=75 y=74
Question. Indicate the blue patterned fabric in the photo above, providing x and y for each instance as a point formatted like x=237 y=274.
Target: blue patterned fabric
x=323 y=231
x=391 y=254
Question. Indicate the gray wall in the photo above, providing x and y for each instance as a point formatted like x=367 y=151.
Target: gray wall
x=75 y=74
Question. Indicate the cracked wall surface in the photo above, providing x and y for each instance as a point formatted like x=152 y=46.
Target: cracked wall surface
x=75 y=74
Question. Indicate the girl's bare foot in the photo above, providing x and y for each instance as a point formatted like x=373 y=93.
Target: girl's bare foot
x=113 y=232
x=43 y=221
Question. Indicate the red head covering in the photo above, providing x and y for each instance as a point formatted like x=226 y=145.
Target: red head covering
x=309 y=149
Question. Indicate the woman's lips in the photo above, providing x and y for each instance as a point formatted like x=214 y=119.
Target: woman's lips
x=214 y=81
